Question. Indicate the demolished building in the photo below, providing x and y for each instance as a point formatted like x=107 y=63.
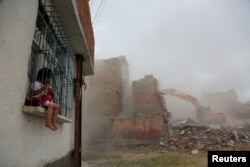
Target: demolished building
x=110 y=96
x=105 y=91
x=144 y=124
x=150 y=114
x=227 y=102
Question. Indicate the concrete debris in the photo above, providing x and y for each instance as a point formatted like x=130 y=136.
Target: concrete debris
x=184 y=122
x=231 y=143
x=214 y=126
x=235 y=135
x=195 y=152
x=191 y=137
x=247 y=141
x=182 y=132
x=161 y=143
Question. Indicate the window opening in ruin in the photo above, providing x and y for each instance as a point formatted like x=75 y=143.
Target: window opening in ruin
x=51 y=49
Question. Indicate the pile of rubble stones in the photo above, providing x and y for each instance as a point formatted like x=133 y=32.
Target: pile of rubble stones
x=189 y=136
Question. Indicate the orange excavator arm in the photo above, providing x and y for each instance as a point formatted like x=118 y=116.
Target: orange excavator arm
x=181 y=95
x=203 y=113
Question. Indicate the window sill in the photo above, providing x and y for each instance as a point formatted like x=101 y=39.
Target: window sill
x=39 y=111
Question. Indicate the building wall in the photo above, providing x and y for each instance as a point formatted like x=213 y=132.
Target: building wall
x=150 y=120
x=24 y=141
x=140 y=127
x=146 y=97
x=225 y=102
x=107 y=99
x=102 y=100
x=106 y=88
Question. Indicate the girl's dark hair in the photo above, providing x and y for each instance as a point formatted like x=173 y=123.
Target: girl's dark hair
x=43 y=74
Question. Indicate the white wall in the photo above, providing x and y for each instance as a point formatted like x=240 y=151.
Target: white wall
x=24 y=141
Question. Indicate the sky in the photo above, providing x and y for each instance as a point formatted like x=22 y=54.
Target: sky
x=190 y=45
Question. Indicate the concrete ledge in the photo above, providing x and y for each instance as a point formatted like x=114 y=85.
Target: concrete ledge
x=40 y=111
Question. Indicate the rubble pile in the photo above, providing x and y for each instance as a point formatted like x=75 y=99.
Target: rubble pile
x=189 y=136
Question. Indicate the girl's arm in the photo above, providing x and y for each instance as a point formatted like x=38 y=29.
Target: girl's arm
x=51 y=92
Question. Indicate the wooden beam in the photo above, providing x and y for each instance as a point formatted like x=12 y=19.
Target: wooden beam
x=78 y=110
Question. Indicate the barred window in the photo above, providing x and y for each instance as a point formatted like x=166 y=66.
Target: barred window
x=51 y=49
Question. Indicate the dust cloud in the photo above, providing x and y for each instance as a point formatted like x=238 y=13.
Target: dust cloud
x=193 y=46
x=127 y=108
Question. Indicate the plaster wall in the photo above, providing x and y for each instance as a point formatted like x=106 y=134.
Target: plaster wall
x=24 y=141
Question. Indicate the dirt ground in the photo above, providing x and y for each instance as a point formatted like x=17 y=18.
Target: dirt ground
x=133 y=157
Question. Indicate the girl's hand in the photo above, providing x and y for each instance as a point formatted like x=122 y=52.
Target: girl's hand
x=44 y=89
x=51 y=92
x=46 y=86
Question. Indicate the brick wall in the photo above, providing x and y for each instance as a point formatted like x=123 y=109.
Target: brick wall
x=150 y=114
x=146 y=97
x=139 y=127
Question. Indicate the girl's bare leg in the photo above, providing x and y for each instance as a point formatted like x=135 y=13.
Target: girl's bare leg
x=55 y=113
x=48 y=118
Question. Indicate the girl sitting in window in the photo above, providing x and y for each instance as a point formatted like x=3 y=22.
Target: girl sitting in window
x=43 y=93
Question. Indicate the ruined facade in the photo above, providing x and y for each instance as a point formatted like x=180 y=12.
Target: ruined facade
x=146 y=97
x=224 y=102
x=228 y=103
x=244 y=112
x=107 y=86
x=111 y=111
x=150 y=115
x=104 y=94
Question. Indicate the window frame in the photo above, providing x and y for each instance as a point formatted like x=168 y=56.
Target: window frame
x=51 y=49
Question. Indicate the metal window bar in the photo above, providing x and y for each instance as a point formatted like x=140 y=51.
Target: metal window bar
x=51 y=49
